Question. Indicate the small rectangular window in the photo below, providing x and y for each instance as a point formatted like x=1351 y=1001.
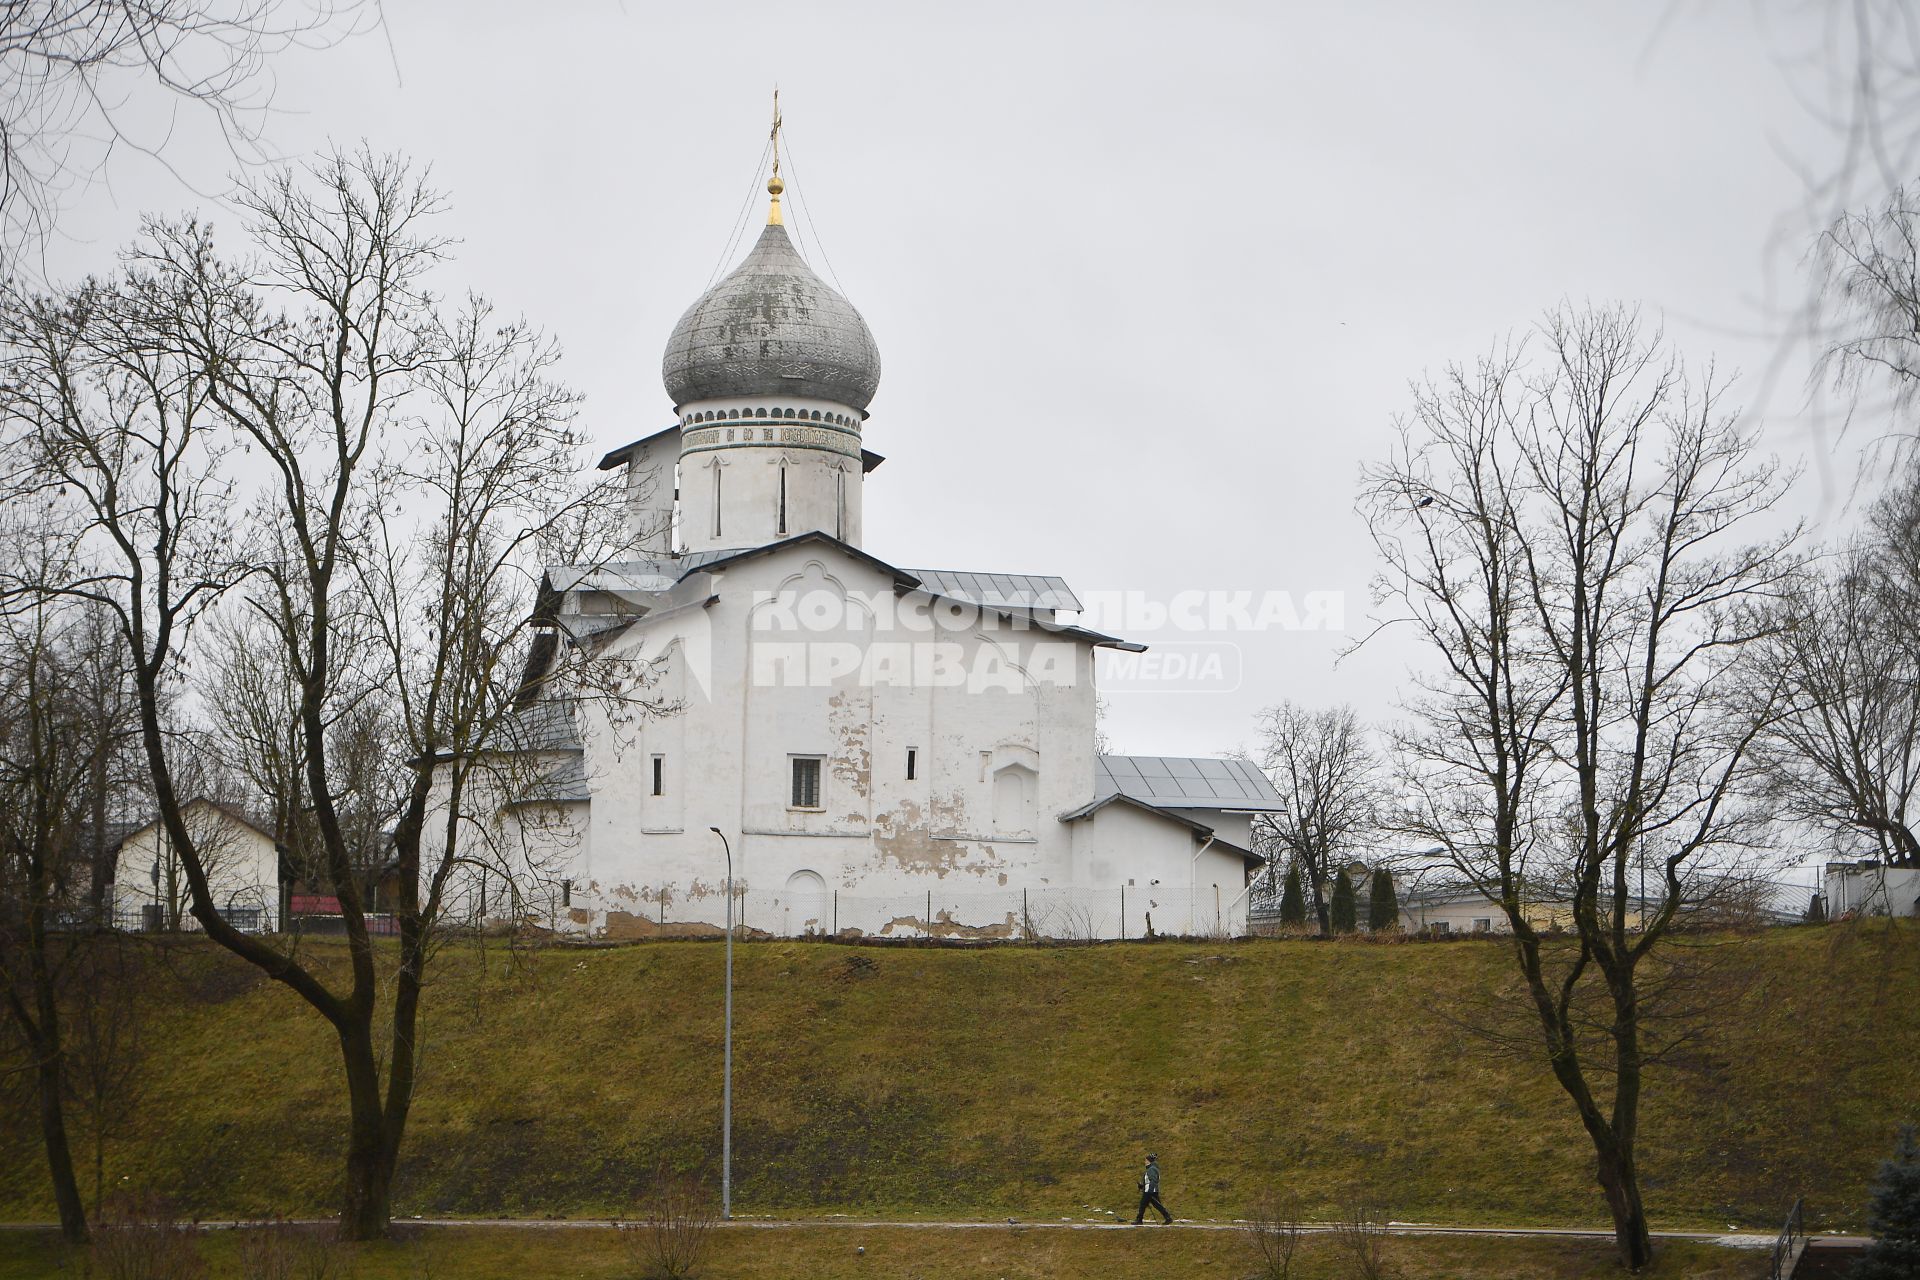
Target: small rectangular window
x=659 y=775
x=806 y=782
x=1483 y=926
x=911 y=762
x=566 y=893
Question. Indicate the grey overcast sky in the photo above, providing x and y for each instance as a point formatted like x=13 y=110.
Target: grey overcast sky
x=1148 y=281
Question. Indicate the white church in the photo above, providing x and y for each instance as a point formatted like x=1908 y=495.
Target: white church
x=882 y=751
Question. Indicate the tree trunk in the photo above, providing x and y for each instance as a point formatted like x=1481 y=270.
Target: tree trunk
x=42 y=1032
x=99 y=874
x=1909 y=845
x=367 y=1210
x=1620 y=1183
x=53 y=1129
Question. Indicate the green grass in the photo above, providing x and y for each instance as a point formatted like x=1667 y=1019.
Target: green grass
x=828 y=1253
x=927 y=1084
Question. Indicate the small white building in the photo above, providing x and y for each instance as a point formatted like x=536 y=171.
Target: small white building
x=883 y=750
x=1451 y=910
x=1870 y=888
x=242 y=863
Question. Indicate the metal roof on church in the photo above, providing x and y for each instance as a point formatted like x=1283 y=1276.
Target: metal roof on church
x=992 y=590
x=542 y=725
x=1035 y=594
x=1183 y=782
x=1000 y=590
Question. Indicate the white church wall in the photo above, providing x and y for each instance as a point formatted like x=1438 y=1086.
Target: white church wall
x=771 y=695
x=650 y=492
x=1189 y=886
x=518 y=859
x=1234 y=828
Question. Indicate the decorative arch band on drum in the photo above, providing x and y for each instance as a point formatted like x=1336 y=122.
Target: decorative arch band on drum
x=769 y=433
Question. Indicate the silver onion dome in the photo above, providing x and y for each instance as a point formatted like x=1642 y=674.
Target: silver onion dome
x=771 y=327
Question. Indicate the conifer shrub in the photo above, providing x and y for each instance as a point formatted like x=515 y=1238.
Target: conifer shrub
x=1383 y=904
x=1344 y=913
x=1293 y=901
x=1894 y=1216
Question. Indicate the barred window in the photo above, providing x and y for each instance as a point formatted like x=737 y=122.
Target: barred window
x=806 y=782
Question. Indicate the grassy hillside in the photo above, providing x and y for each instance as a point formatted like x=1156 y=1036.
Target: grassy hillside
x=946 y=1083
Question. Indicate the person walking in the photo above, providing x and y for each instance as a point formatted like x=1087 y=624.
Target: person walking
x=1150 y=1191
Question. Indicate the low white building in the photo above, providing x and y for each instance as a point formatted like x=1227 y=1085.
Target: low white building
x=1869 y=888
x=242 y=863
x=1452 y=910
x=883 y=750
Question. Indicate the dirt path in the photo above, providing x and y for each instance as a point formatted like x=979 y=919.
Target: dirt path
x=1734 y=1239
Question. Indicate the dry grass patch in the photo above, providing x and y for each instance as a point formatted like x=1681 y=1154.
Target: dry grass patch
x=1021 y=1082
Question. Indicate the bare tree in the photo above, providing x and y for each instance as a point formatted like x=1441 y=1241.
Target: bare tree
x=1867 y=266
x=418 y=463
x=77 y=72
x=1274 y=1232
x=1329 y=777
x=668 y=1237
x=106 y=999
x=1360 y=1235
x=252 y=698
x=49 y=746
x=1842 y=740
x=1575 y=539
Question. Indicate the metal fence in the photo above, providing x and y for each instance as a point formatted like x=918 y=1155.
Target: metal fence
x=155 y=918
x=1053 y=914
x=1043 y=914
x=1790 y=1243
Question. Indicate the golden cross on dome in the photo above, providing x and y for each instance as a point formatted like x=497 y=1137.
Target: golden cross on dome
x=774 y=185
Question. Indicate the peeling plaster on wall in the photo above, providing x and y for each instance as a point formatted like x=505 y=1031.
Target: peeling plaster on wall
x=907 y=838
x=667 y=895
x=983 y=866
x=945 y=926
x=622 y=926
x=852 y=759
x=947 y=812
x=709 y=889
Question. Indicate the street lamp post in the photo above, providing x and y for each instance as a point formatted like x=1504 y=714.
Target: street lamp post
x=726 y=1087
x=1420 y=878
